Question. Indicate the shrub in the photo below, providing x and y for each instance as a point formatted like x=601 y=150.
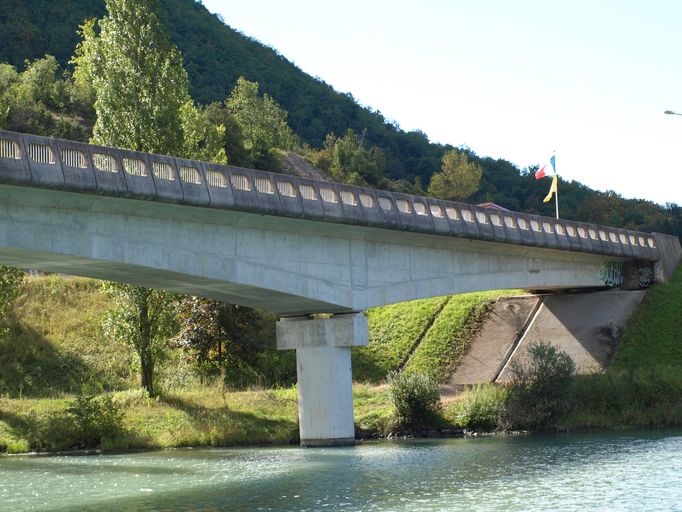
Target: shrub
x=93 y=419
x=540 y=387
x=416 y=398
x=483 y=408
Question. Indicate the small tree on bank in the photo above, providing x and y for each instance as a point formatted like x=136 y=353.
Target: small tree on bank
x=145 y=319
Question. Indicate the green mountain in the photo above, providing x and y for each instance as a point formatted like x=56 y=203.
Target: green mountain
x=215 y=56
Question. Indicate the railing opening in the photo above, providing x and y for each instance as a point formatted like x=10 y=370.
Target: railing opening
x=560 y=229
x=603 y=236
x=385 y=203
x=216 y=179
x=163 y=171
x=348 y=198
x=452 y=213
x=328 y=195
x=437 y=211
x=467 y=215
x=419 y=208
x=366 y=200
x=509 y=222
x=134 y=167
x=9 y=149
x=241 y=182
x=481 y=217
x=535 y=225
x=496 y=220
x=523 y=224
x=286 y=189
x=570 y=230
x=104 y=163
x=264 y=186
x=190 y=174
x=41 y=153
x=403 y=206
x=74 y=158
x=547 y=228
x=623 y=239
x=613 y=237
x=307 y=192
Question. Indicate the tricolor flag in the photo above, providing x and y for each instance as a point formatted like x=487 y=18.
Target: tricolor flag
x=552 y=190
x=549 y=169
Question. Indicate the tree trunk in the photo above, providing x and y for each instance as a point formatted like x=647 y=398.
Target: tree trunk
x=146 y=357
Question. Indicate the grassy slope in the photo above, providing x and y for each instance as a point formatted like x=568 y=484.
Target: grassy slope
x=654 y=334
x=447 y=339
x=56 y=344
x=393 y=331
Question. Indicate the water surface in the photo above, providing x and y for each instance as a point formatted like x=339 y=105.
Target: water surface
x=621 y=471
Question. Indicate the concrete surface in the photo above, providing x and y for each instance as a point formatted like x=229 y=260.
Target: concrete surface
x=491 y=346
x=323 y=366
x=586 y=326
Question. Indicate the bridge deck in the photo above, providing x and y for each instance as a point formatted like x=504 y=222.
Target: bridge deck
x=33 y=161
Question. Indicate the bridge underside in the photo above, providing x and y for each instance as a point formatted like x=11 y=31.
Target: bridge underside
x=286 y=265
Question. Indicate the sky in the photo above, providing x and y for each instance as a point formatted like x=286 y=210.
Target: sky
x=588 y=80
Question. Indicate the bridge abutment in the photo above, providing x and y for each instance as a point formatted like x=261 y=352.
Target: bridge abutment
x=323 y=367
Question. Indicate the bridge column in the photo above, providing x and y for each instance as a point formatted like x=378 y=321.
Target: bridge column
x=323 y=366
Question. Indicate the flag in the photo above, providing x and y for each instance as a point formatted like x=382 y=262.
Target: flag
x=552 y=190
x=548 y=169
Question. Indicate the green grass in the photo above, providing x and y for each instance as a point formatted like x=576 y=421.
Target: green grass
x=653 y=336
x=55 y=343
x=196 y=417
x=448 y=338
x=393 y=331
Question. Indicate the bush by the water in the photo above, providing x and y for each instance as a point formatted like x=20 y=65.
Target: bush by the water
x=416 y=398
x=483 y=408
x=93 y=419
x=540 y=387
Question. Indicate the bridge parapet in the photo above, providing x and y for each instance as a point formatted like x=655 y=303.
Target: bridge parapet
x=34 y=161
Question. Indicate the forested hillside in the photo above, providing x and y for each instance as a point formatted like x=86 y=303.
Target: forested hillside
x=215 y=56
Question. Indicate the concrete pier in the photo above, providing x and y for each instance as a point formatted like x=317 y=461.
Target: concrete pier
x=325 y=381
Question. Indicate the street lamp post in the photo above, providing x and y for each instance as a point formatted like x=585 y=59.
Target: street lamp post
x=671 y=113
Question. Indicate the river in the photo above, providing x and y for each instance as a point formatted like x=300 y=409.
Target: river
x=628 y=470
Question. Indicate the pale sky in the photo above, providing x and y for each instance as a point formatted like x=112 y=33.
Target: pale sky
x=509 y=79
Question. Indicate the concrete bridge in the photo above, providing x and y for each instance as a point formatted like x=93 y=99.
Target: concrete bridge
x=294 y=246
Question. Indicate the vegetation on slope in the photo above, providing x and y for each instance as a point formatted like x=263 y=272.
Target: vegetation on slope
x=394 y=332
x=641 y=388
x=448 y=338
x=55 y=343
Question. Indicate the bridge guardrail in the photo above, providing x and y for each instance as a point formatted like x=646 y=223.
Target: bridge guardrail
x=31 y=160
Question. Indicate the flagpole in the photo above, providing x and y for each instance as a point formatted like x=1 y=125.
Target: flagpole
x=556 y=197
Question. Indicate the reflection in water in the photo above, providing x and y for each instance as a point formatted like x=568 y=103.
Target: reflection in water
x=586 y=471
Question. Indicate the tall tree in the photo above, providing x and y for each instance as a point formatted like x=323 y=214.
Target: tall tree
x=139 y=81
x=141 y=100
x=459 y=178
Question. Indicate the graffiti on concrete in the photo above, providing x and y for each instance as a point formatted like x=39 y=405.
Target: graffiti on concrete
x=611 y=273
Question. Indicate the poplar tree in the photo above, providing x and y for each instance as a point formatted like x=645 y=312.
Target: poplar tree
x=140 y=89
x=139 y=82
